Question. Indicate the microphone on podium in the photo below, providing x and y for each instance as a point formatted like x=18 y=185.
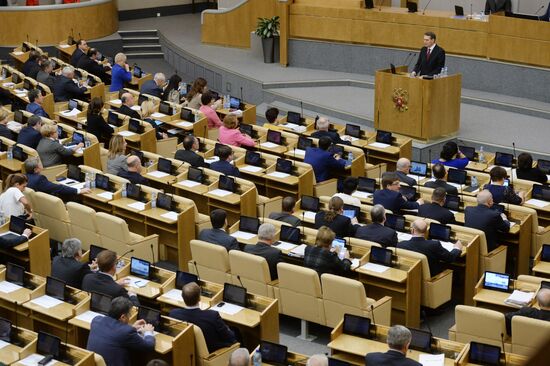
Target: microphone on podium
x=426 y=7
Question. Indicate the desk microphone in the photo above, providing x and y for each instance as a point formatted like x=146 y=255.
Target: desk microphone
x=411 y=60
x=197 y=269
x=373 y=321
x=127 y=252
x=303 y=226
x=503 y=350
x=263 y=212
x=541 y=7
x=242 y=99
x=153 y=254
x=79 y=36
x=241 y=282
x=430 y=157
x=27 y=38
x=424 y=10
x=380 y=5
x=301 y=109
x=407 y=58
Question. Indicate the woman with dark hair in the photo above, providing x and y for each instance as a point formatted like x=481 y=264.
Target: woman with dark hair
x=451 y=156
x=322 y=258
x=194 y=96
x=12 y=201
x=526 y=171
x=95 y=123
x=342 y=225
x=501 y=192
x=172 y=93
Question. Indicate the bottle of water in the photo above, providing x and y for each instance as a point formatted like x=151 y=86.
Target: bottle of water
x=153 y=199
x=10 y=153
x=350 y=158
x=226 y=102
x=2 y=218
x=197 y=116
x=124 y=194
x=87 y=181
x=474 y=182
x=481 y=155
x=92 y=180
x=257 y=358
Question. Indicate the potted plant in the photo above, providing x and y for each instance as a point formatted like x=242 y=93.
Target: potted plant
x=267 y=30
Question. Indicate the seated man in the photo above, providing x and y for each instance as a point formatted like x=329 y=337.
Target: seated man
x=103 y=280
x=432 y=249
x=216 y=333
x=12 y=241
x=218 y=235
x=155 y=86
x=348 y=187
x=399 y=339
x=322 y=160
x=503 y=193
x=224 y=166
x=189 y=152
x=40 y=183
x=377 y=232
x=133 y=174
x=287 y=214
x=115 y=340
x=440 y=174
x=65 y=88
x=36 y=98
x=322 y=126
x=89 y=62
x=79 y=52
x=30 y=134
x=543 y=299
x=390 y=197
x=436 y=210
x=266 y=237
x=68 y=267
x=402 y=168
x=128 y=101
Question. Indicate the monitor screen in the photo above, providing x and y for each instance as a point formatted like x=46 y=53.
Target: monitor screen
x=234 y=294
x=352 y=211
x=134 y=125
x=19 y=154
x=140 y=267
x=273 y=353
x=337 y=362
x=27 y=84
x=55 y=288
x=164 y=165
x=253 y=158
x=304 y=143
x=234 y=103
x=141 y=99
x=439 y=232
x=336 y=149
x=274 y=137
x=249 y=224
x=353 y=130
x=247 y=129
x=151 y=316
x=15 y=78
x=183 y=278
x=102 y=182
x=17 y=224
x=78 y=138
x=100 y=303
x=418 y=168
x=15 y=274
x=504 y=159
x=165 y=108
x=133 y=191
x=73 y=104
x=290 y=234
x=18 y=116
x=74 y=173
x=137 y=71
x=187 y=115
x=293 y=117
x=61 y=134
x=484 y=354
x=545 y=253
x=94 y=251
x=366 y=184
x=421 y=340
x=396 y=222
x=226 y=183
x=48 y=345
x=5 y=330
x=309 y=203
x=383 y=137
x=469 y=152
x=164 y=201
x=408 y=192
x=112 y=118
x=457 y=176
x=195 y=175
x=380 y=256
x=496 y=281
x=338 y=244
x=544 y=165
x=91 y=81
x=284 y=166
x=356 y=325
x=537 y=191
x=452 y=202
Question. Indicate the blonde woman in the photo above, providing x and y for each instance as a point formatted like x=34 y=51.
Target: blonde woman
x=230 y=134
x=116 y=159
x=322 y=258
x=147 y=109
x=50 y=151
x=4 y=130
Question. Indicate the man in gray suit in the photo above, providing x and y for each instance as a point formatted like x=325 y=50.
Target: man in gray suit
x=49 y=149
x=218 y=235
x=266 y=237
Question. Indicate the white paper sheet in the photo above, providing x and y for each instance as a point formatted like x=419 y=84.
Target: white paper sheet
x=229 y=309
x=189 y=183
x=379 y=145
x=173 y=294
x=158 y=174
x=170 y=215
x=361 y=194
x=87 y=316
x=538 y=203
x=220 y=192
x=520 y=297
x=64 y=46
x=140 y=206
x=373 y=267
x=126 y=133
x=174 y=131
x=300 y=250
x=243 y=235
x=70 y=113
x=116 y=101
x=4 y=344
x=299 y=152
x=269 y=145
x=251 y=168
x=283 y=245
x=158 y=115
x=403 y=236
x=137 y=282
x=354 y=263
x=310 y=215
x=212 y=159
x=8 y=84
x=34 y=359
x=431 y=360
x=7 y=287
x=106 y=195
x=278 y=175
x=18 y=53
x=46 y=301
x=136 y=108
x=185 y=124
x=447 y=245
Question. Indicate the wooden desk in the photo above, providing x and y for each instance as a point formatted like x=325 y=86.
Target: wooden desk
x=494 y=300
x=12 y=353
x=31 y=253
x=541 y=268
x=70 y=355
x=509 y=359
x=153 y=289
x=248 y=117
x=10 y=303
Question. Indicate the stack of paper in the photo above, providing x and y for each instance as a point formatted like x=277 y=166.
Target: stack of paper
x=354 y=263
x=106 y=195
x=278 y=175
x=403 y=236
x=538 y=203
x=173 y=294
x=185 y=124
x=126 y=133
x=310 y=215
x=361 y=194
x=299 y=251
x=158 y=115
x=140 y=206
x=158 y=174
x=243 y=235
x=269 y=145
x=7 y=287
x=431 y=360
x=226 y=308
x=283 y=245
x=46 y=301
x=299 y=152
x=87 y=316
x=447 y=245
x=170 y=215
x=520 y=298
x=374 y=267
x=379 y=145
x=220 y=192
x=189 y=183
x=251 y=168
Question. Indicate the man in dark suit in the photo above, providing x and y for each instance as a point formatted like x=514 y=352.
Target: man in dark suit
x=399 y=339
x=224 y=166
x=218 y=235
x=103 y=280
x=546 y=16
x=483 y=218
x=30 y=134
x=128 y=101
x=402 y=168
x=12 y=241
x=117 y=341
x=35 y=106
x=495 y=6
x=431 y=58
x=216 y=333
x=133 y=174
x=432 y=249
x=31 y=66
x=435 y=209
x=64 y=88
x=323 y=161
x=543 y=299
x=439 y=172
x=287 y=214
x=266 y=237
x=154 y=87
x=79 y=52
x=188 y=153
x=89 y=62
x=390 y=197
x=323 y=129
x=40 y=183
x=68 y=267
x=377 y=232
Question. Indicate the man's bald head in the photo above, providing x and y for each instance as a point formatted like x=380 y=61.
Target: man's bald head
x=403 y=165
x=485 y=197
x=134 y=164
x=323 y=124
x=317 y=360
x=543 y=298
x=240 y=357
x=419 y=227
x=127 y=99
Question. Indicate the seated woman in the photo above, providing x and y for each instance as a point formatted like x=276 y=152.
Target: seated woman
x=120 y=73
x=147 y=109
x=451 y=156
x=49 y=149
x=333 y=218
x=199 y=87
x=322 y=258
x=172 y=91
x=116 y=159
x=209 y=111
x=526 y=171
x=230 y=134
x=502 y=193
x=95 y=123
x=12 y=201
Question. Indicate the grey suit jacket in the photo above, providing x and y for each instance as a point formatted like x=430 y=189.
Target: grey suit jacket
x=52 y=152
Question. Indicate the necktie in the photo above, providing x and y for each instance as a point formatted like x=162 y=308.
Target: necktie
x=428 y=54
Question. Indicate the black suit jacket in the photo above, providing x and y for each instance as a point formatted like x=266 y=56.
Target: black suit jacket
x=436 y=212
x=75 y=57
x=40 y=183
x=70 y=270
x=190 y=157
x=31 y=68
x=105 y=284
x=151 y=88
x=334 y=136
x=489 y=221
x=341 y=225
x=225 y=167
x=383 y=235
x=527 y=312
x=325 y=261
x=124 y=109
x=285 y=217
x=133 y=177
x=220 y=237
x=432 y=66
x=96 y=125
x=438 y=183
x=216 y=333
x=393 y=201
x=433 y=250
x=405 y=179
x=390 y=358
x=271 y=255
x=86 y=63
x=65 y=89
x=11 y=241
x=494 y=6
x=6 y=132
x=533 y=174
x=30 y=137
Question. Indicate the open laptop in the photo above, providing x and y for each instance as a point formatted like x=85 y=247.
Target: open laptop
x=16 y=228
x=140 y=268
x=295 y=118
x=253 y=158
x=545 y=253
x=369 y=4
x=290 y=234
x=15 y=274
x=234 y=294
x=5 y=330
x=421 y=340
x=165 y=202
x=352 y=211
x=164 y=165
x=249 y=130
x=384 y=137
x=353 y=131
x=55 y=288
x=457 y=176
x=439 y=232
x=134 y=125
x=234 y=103
x=166 y=108
x=196 y=175
x=484 y=354
x=544 y=165
x=94 y=251
x=226 y=183
x=102 y=182
x=249 y=224
x=48 y=345
x=504 y=159
x=183 y=278
x=284 y=166
x=273 y=353
x=541 y=192
x=413 y=7
x=304 y=143
x=459 y=11
x=275 y=137
x=496 y=281
x=187 y=115
x=338 y=244
x=358 y=326
x=365 y=184
x=396 y=222
x=418 y=169
x=19 y=154
x=337 y=362
x=310 y=206
x=134 y=192
x=100 y=303
x=452 y=202
x=469 y=152
x=151 y=316
x=381 y=256
x=137 y=71
x=408 y=192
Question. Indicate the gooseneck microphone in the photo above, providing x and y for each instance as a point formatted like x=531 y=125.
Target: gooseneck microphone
x=426 y=7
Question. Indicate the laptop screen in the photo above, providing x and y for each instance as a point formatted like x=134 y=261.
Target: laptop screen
x=352 y=211
x=396 y=222
x=94 y=251
x=187 y=115
x=380 y=256
x=234 y=103
x=134 y=125
x=408 y=192
x=17 y=225
x=309 y=203
x=164 y=165
x=457 y=176
x=293 y=117
x=137 y=71
x=48 y=345
x=102 y=181
x=484 y=354
x=418 y=168
x=439 y=232
x=133 y=191
x=249 y=224
x=55 y=288
x=234 y=294
x=151 y=316
x=226 y=183
x=338 y=244
x=544 y=165
x=195 y=175
x=78 y=138
x=366 y=184
x=304 y=143
x=290 y=234
x=165 y=108
x=253 y=158
x=469 y=152
x=504 y=159
x=15 y=274
x=383 y=137
x=140 y=267
x=19 y=154
x=421 y=340
x=112 y=118
x=183 y=278
x=284 y=166
x=353 y=130
x=5 y=330
x=496 y=281
x=248 y=129
x=452 y=202
x=100 y=303
x=356 y=325
x=73 y=104
x=274 y=137
x=164 y=201
x=27 y=84
x=545 y=253
x=273 y=353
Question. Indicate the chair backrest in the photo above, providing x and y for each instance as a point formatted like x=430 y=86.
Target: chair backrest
x=529 y=334
x=53 y=215
x=200 y=344
x=83 y=224
x=212 y=261
x=341 y=296
x=478 y=324
x=99 y=361
x=253 y=271
x=419 y=256
x=113 y=230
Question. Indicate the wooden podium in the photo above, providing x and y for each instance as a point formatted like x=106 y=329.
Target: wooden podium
x=419 y=108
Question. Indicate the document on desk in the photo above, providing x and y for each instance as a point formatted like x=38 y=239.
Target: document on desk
x=174 y=131
x=115 y=101
x=126 y=133
x=8 y=84
x=158 y=174
x=158 y=115
x=226 y=308
x=46 y=301
x=417 y=178
x=220 y=192
x=189 y=183
x=3 y=344
x=403 y=236
x=379 y=145
x=137 y=282
x=106 y=195
x=64 y=46
x=34 y=359
x=361 y=194
x=447 y=245
x=278 y=175
x=70 y=113
x=170 y=215
x=354 y=262
x=251 y=168
x=299 y=251
x=140 y=206
x=269 y=145
x=538 y=203
x=374 y=267
x=431 y=360
x=136 y=108
x=7 y=287
x=283 y=245
x=185 y=124
x=15 y=126
x=299 y=152
x=173 y=294
x=294 y=127
x=18 y=53
x=520 y=298
x=211 y=160
x=243 y=235
x=310 y=215
x=88 y=316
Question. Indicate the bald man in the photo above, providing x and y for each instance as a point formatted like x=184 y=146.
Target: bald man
x=322 y=126
x=402 y=168
x=240 y=357
x=128 y=101
x=543 y=299
x=317 y=360
x=432 y=249
x=483 y=218
x=133 y=174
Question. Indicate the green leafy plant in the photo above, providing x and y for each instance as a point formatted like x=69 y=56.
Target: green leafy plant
x=268 y=27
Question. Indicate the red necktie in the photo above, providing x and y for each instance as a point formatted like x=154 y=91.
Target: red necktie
x=428 y=55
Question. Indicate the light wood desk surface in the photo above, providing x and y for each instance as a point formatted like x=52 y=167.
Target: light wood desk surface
x=152 y=289
x=495 y=300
